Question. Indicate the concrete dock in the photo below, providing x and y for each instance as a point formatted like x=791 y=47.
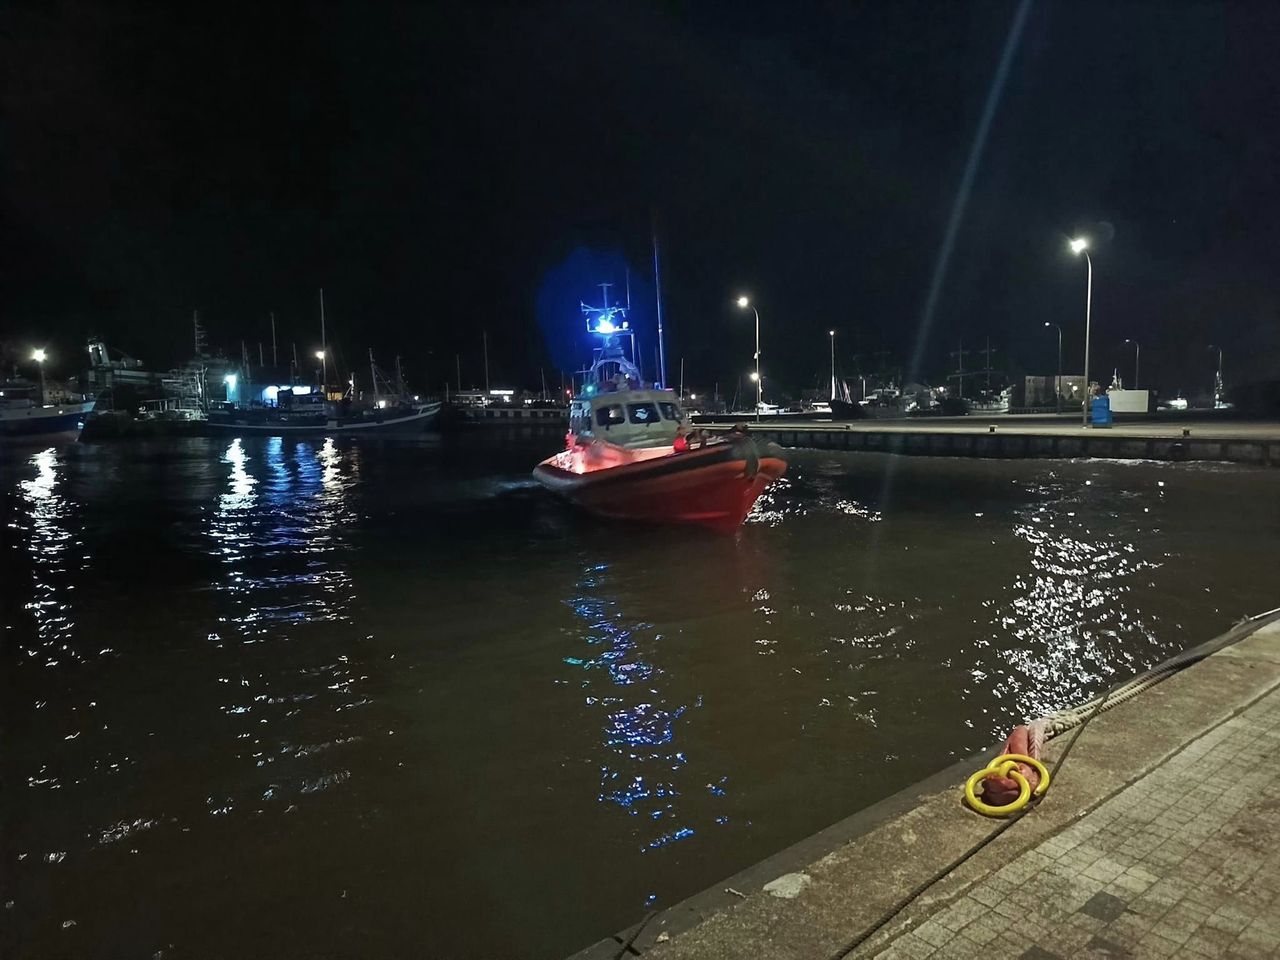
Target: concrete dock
x=1156 y=839
x=1249 y=442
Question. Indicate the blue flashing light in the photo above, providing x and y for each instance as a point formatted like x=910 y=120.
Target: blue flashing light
x=605 y=326
x=590 y=389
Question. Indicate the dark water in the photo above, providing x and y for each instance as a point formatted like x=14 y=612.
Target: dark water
x=333 y=699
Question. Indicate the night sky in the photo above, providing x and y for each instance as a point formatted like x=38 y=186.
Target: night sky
x=443 y=169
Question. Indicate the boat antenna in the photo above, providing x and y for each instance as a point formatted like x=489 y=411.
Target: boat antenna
x=657 y=292
x=275 y=360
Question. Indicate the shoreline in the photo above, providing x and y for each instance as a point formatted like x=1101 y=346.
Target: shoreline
x=829 y=894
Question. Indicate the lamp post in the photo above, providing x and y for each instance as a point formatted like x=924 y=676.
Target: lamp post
x=832 y=334
x=39 y=356
x=323 y=357
x=1137 y=355
x=744 y=303
x=1057 y=384
x=1078 y=246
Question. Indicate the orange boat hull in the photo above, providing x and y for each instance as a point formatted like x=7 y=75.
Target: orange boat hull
x=714 y=486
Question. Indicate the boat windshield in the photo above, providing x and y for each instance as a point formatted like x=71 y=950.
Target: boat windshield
x=670 y=411
x=643 y=412
x=605 y=416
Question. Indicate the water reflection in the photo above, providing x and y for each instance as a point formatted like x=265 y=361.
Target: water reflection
x=643 y=770
x=281 y=529
x=1069 y=618
x=47 y=521
x=280 y=535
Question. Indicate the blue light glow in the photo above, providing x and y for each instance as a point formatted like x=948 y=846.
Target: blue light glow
x=605 y=326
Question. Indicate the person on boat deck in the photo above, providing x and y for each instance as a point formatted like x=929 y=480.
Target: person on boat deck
x=681 y=442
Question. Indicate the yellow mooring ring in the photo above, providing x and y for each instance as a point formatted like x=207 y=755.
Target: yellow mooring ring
x=1006 y=765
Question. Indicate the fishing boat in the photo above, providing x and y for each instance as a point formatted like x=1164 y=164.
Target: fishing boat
x=294 y=409
x=627 y=455
x=25 y=417
x=320 y=416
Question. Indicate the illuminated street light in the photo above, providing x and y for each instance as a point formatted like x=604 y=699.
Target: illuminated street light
x=755 y=377
x=38 y=355
x=744 y=303
x=832 y=335
x=1078 y=246
x=323 y=357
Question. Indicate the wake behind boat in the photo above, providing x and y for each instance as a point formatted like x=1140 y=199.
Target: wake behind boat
x=627 y=454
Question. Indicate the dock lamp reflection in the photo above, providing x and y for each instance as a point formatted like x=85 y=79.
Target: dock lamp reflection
x=39 y=356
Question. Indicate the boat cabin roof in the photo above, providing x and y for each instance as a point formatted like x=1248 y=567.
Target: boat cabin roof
x=627 y=417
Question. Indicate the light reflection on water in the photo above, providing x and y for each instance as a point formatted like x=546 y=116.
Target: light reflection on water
x=377 y=678
x=46 y=523
x=280 y=536
x=643 y=773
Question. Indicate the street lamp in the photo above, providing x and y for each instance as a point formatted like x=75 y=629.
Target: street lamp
x=832 y=334
x=1137 y=355
x=1057 y=386
x=1078 y=246
x=39 y=356
x=744 y=303
x=323 y=357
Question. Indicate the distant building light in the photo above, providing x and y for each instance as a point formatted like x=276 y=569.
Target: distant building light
x=502 y=393
x=415 y=398
x=382 y=404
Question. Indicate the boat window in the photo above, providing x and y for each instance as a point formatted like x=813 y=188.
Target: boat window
x=670 y=411
x=605 y=416
x=643 y=412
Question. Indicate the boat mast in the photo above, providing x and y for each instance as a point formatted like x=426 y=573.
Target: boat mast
x=373 y=375
x=275 y=360
x=657 y=291
x=485 y=335
x=399 y=377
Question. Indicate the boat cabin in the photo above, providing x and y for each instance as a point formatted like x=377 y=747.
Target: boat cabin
x=626 y=417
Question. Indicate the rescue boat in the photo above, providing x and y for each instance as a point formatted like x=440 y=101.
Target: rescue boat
x=628 y=455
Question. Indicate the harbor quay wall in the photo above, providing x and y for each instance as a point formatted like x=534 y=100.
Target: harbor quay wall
x=1257 y=448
